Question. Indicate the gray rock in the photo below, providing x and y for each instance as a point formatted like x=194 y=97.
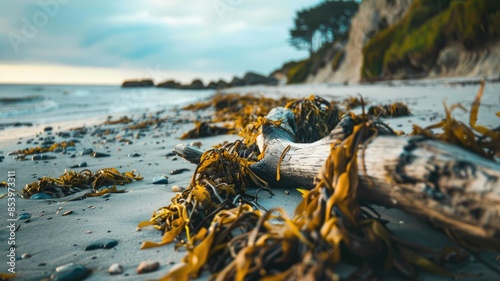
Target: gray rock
x=101 y=244
x=72 y=272
x=87 y=151
x=115 y=268
x=160 y=180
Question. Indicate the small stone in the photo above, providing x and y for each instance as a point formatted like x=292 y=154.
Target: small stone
x=70 y=272
x=64 y=266
x=58 y=150
x=134 y=155
x=287 y=192
x=178 y=171
x=47 y=129
x=177 y=188
x=87 y=151
x=25 y=256
x=72 y=155
x=40 y=195
x=96 y=154
x=196 y=144
x=88 y=232
x=115 y=269
x=83 y=164
x=147 y=266
x=161 y=180
x=67 y=213
x=23 y=217
x=101 y=244
x=37 y=157
x=169 y=154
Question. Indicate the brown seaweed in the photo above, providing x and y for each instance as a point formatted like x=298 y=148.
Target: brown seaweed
x=71 y=182
x=227 y=232
x=476 y=138
x=389 y=110
x=204 y=129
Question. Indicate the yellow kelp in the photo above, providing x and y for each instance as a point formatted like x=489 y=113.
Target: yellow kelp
x=71 y=182
x=315 y=117
x=476 y=138
x=389 y=110
x=39 y=149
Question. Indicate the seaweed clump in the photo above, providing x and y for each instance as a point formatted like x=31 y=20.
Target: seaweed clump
x=71 y=182
x=42 y=149
x=486 y=144
x=243 y=242
x=238 y=110
x=315 y=117
x=389 y=110
x=204 y=129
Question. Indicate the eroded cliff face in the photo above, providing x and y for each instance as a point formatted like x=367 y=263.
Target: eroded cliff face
x=373 y=16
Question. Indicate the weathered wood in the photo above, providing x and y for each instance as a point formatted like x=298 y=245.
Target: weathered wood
x=447 y=185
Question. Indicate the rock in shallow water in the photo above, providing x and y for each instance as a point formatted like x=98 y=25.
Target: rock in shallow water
x=41 y=157
x=115 y=268
x=71 y=272
x=162 y=180
x=147 y=266
x=101 y=244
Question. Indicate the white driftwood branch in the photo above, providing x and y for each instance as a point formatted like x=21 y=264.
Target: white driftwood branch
x=445 y=184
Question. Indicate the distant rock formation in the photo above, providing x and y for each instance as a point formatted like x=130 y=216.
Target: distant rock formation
x=250 y=78
x=145 y=83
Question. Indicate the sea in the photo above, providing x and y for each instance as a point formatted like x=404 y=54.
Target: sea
x=21 y=105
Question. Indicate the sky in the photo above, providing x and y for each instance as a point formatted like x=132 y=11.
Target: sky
x=105 y=42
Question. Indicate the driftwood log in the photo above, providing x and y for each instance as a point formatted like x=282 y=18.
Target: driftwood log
x=447 y=185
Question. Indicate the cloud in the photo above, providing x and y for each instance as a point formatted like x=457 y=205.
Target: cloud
x=184 y=36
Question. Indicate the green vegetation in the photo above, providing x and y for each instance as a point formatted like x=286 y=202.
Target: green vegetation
x=322 y=24
x=415 y=41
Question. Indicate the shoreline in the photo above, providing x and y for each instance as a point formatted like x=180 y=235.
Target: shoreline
x=53 y=239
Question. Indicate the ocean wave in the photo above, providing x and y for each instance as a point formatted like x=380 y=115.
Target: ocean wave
x=11 y=109
x=12 y=100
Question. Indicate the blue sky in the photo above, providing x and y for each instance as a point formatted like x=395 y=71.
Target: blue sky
x=86 y=41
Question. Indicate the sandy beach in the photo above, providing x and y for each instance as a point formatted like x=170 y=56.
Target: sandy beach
x=52 y=237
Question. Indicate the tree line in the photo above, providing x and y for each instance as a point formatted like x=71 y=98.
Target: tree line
x=321 y=24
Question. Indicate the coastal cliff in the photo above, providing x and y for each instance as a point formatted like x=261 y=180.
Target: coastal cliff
x=405 y=39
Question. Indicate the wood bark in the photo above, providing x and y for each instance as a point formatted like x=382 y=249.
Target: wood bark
x=447 y=185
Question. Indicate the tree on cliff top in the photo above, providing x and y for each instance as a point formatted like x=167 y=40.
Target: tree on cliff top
x=322 y=24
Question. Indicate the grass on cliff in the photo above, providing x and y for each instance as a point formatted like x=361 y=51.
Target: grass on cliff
x=415 y=41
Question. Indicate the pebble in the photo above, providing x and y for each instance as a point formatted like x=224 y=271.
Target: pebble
x=196 y=144
x=87 y=151
x=70 y=272
x=41 y=195
x=162 y=180
x=169 y=154
x=23 y=217
x=287 y=192
x=96 y=154
x=41 y=157
x=68 y=213
x=134 y=155
x=25 y=256
x=58 y=150
x=101 y=244
x=70 y=148
x=72 y=155
x=147 y=266
x=47 y=129
x=81 y=165
x=115 y=268
x=178 y=171
x=177 y=188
